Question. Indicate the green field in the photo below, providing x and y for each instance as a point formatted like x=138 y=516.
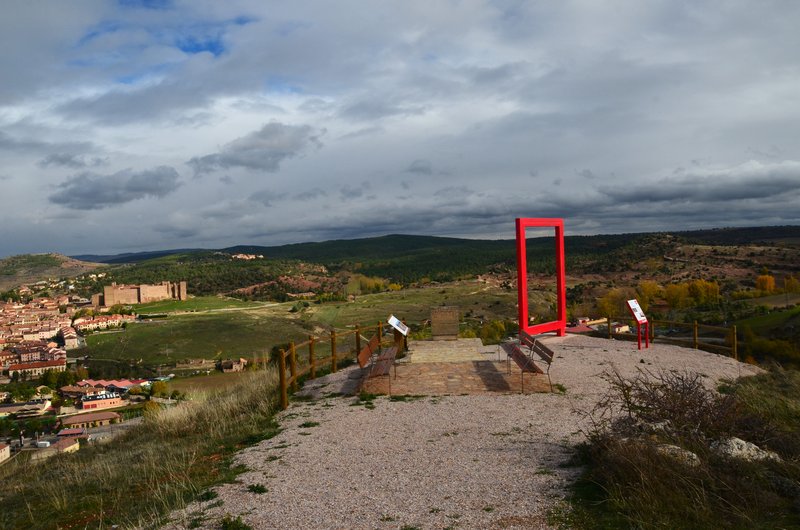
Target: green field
x=776 y=300
x=476 y=301
x=224 y=328
x=765 y=324
x=195 y=336
x=195 y=303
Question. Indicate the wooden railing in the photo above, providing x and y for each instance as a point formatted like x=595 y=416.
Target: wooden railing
x=727 y=344
x=311 y=363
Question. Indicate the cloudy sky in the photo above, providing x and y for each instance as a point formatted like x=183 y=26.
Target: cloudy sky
x=143 y=125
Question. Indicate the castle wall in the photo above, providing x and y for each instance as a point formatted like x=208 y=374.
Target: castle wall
x=154 y=293
x=120 y=294
x=140 y=294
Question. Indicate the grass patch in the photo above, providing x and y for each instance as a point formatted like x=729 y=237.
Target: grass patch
x=309 y=424
x=257 y=488
x=365 y=399
x=229 y=523
x=169 y=460
x=195 y=303
x=651 y=459
x=195 y=336
x=406 y=397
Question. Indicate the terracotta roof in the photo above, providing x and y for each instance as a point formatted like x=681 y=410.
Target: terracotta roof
x=93 y=416
x=64 y=443
x=71 y=432
x=39 y=364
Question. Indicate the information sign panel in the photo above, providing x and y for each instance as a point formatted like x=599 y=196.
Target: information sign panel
x=637 y=312
x=398 y=325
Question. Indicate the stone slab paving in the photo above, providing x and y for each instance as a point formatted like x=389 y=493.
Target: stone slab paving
x=451 y=351
x=456 y=378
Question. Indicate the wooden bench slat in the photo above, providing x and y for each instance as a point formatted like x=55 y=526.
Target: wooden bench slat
x=543 y=351
x=384 y=362
x=366 y=352
x=523 y=361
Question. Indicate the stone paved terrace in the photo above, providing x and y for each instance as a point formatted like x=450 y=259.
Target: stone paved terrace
x=455 y=367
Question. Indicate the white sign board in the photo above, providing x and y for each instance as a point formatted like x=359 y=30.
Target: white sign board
x=638 y=314
x=399 y=326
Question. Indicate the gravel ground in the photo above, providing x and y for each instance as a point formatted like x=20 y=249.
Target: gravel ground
x=480 y=461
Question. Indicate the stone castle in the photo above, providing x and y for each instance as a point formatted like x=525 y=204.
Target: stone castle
x=139 y=294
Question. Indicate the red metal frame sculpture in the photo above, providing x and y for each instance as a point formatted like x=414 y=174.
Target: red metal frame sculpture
x=559 y=325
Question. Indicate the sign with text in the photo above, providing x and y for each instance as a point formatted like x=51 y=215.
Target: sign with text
x=636 y=311
x=399 y=326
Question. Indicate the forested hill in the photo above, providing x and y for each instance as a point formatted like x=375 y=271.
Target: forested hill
x=406 y=258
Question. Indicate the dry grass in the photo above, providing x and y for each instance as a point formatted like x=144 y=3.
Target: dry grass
x=158 y=466
x=632 y=482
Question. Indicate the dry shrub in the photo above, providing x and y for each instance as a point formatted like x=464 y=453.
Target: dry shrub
x=649 y=488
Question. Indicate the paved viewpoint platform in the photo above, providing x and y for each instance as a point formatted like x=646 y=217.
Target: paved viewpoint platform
x=456 y=367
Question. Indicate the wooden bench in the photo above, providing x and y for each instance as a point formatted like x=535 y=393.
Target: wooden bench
x=384 y=362
x=367 y=351
x=525 y=362
x=382 y=359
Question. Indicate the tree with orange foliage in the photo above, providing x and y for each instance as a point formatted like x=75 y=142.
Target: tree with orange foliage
x=765 y=283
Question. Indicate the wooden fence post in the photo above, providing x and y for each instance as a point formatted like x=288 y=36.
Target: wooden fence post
x=311 y=360
x=282 y=377
x=695 y=334
x=652 y=327
x=293 y=365
x=358 y=340
x=333 y=351
x=405 y=340
x=735 y=344
x=380 y=333
x=608 y=321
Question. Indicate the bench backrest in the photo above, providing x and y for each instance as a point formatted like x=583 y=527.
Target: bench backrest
x=367 y=351
x=536 y=346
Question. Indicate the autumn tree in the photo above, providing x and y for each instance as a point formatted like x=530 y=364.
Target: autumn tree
x=791 y=284
x=765 y=283
x=677 y=295
x=613 y=302
x=647 y=291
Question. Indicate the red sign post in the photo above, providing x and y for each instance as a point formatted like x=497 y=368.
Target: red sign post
x=560 y=324
x=641 y=321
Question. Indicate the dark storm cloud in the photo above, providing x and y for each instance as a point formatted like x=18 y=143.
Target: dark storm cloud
x=176 y=231
x=262 y=150
x=27 y=145
x=267 y=197
x=749 y=181
x=368 y=109
x=311 y=194
x=70 y=160
x=90 y=191
x=421 y=167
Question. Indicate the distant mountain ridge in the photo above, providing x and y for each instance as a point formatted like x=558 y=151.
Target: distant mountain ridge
x=394 y=245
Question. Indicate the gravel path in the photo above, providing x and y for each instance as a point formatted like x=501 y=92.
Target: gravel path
x=481 y=461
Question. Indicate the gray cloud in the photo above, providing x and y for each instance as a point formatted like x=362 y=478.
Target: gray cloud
x=262 y=150
x=267 y=197
x=366 y=109
x=71 y=161
x=421 y=167
x=90 y=191
x=639 y=121
x=314 y=193
x=752 y=180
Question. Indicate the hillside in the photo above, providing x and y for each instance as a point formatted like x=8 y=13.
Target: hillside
x=27 y=269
